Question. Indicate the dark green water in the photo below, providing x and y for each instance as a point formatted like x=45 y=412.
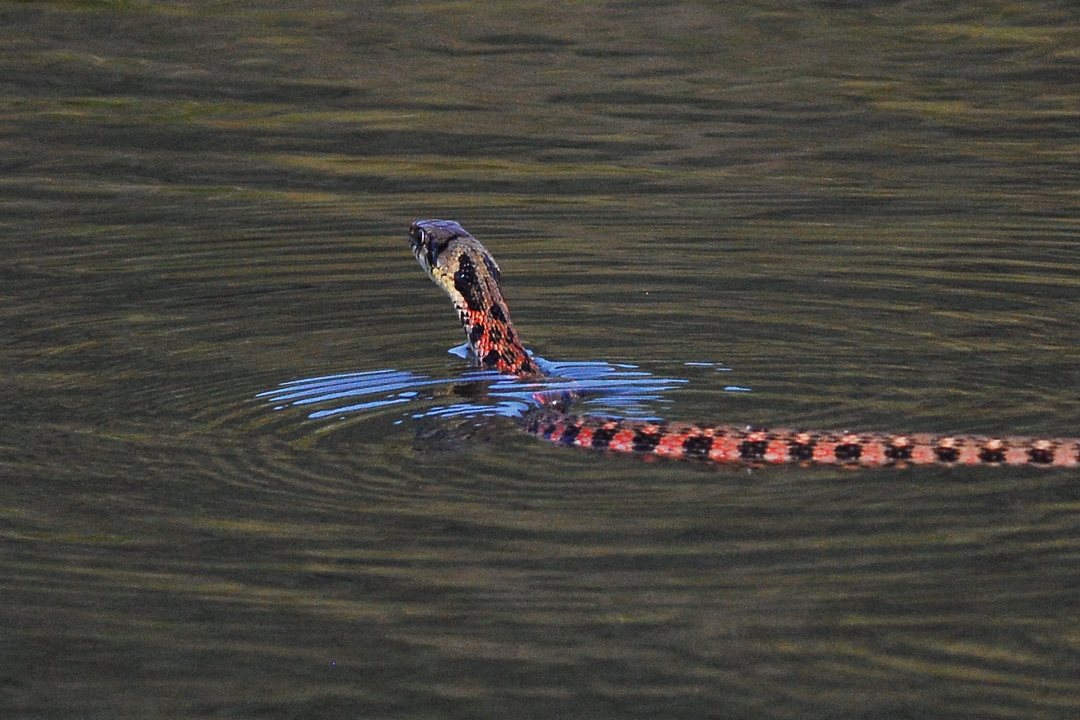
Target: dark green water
x=867 y=211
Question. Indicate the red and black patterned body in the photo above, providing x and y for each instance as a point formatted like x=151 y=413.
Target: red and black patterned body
x=464 y=269
x=755 y=446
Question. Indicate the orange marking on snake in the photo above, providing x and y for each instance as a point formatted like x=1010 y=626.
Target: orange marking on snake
x=584 y=438
x=724 y=449
x=873 y=453
x=923 y=455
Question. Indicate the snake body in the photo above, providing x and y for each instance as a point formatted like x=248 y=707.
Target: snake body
x=459 y=264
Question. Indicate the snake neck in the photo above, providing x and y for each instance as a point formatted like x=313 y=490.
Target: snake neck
x=463 y=268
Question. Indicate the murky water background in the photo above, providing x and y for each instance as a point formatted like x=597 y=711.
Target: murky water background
x=866 y=213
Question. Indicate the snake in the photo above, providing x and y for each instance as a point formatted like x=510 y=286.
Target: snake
x=459 y=264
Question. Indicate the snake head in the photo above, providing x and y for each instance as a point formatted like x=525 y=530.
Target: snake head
x=430 y=239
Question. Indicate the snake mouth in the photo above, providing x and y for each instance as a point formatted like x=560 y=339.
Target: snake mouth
x=429 y=238
x=416 y=239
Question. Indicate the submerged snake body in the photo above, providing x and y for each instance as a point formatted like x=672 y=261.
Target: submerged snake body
x=464 y=269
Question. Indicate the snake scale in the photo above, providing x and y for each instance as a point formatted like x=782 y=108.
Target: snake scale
x=466 y=271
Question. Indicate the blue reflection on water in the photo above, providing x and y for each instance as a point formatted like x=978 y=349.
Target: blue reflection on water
x=612 y=389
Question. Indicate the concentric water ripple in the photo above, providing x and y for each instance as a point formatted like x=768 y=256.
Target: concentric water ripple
x=598 y=383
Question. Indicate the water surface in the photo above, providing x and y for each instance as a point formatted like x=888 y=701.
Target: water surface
x=863 y=213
